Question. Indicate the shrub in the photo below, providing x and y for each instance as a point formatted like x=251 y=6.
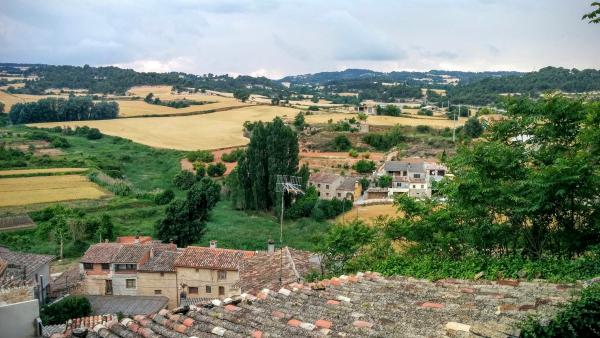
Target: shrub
x=216 y=170
x=313 y=108
x=60 y=142
x=364 y=166
x=200 y=171
x=423 y=129
x=184 y=180
x=232 y=156
x=94 y=134
x=164 y=197
x=201 y=155
x=341 y=143
x=353 y=153
x=65 y=309
x=578 y=319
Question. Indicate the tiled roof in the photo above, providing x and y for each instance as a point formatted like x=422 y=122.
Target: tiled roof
x=21 y=261
x=131 y=253
x=348 y=184
x=163 y=261
x=415 y=165
x=3 y=265
x=323 y=177
x=377 y=189
x=101 y=253
x=358 y=306
x=211 y=258
x=264 y=270
x=9 y=282
x=133 y=239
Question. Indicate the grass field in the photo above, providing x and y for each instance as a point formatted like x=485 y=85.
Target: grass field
x=45 y=189
x=369 y=213
x=19 y=172
x=209 y=131
x=380 y=120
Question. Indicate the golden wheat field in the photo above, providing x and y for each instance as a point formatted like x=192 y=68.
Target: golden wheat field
x=10 y=99
x=380 y=120
x=128 y=108
x=369 y=213
x=45 y=189
x=209 y=131
x=41 y=171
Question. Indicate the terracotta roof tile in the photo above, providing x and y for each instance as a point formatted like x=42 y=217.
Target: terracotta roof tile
x=371 y=306
x=211 y=258
x=21 y=261
x=101 y=253
x=163 y=261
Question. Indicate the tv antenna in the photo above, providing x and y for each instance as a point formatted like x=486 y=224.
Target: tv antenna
x=291 y=185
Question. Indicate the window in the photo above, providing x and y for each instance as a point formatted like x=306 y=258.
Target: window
x=417 y=175
x=339 y=195
x=88 y=266
x=221 y=291
x=422 y=186
x=162 y=274
x=319 y=185
x=441 y=172
x=414 y=186
x=105 y=266
x=404 y=173
x=158 y=292
x=124 y=267
x=326 y=186
x=221 y=275
x=326 y=194
x=208 y=289
x=130 y=283
x=192 y=290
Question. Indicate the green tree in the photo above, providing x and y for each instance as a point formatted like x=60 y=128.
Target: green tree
x=273 y=150
x=593 y=16
x=241 y=95
x=384 y=181
x=299 y=121
x=342 y=242
x=473 y=127
x=184 y=180
x=341 y=143
x=216 y=170
x=364 y=166
x=67 y=308
x=184 y=220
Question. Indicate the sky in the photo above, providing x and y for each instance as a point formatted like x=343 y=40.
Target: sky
x=278 y=38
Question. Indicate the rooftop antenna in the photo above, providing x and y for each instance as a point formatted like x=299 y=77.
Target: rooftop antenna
x=291 y=185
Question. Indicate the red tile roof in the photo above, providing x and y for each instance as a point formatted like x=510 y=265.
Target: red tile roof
x=101 y=253
x=211 y=258
x=163 y=261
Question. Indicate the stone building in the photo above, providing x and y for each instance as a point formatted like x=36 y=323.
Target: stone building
x=158 y=277
x=26 y=266
x=330 y=186
x=413 y=176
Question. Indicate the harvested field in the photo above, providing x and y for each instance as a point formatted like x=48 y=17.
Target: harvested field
x=10 y=99
x=138 y=108
x=45 y=189
x=164 y=93
x=369 y=213
x=434 y=122
x=44 y=171
x=336 y=162
x=206 y=132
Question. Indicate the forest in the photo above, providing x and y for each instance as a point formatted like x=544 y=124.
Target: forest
x=75 y=108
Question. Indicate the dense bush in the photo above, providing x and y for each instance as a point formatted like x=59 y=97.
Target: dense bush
x=309 y=205
x=341 y=143
x=184 y=180
x=232 y=156
x=164 y=197
x=364 y=166
x=216 y=170
x=201 y=155
x=390 y=110
x=67 y=308
x=578 y=319
x=385 y=141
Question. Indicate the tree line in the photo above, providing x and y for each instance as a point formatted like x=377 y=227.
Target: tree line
x=75 y=108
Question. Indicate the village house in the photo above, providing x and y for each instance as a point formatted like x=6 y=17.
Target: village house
x=26 y=266
x=158 y=277
x=413 y=176
x=330 y=186
x=111 y=268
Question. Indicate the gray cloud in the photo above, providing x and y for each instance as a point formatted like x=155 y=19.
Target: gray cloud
x=274 y=38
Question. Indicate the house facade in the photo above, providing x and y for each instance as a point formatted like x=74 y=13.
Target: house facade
x=330 y=186
x=413 y=176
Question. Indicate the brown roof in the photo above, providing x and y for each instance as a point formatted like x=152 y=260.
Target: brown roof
x=163 y=261
x=131 y=253
x=211 y=258
x=17 y=262
x=323 y=177
x=348 y=184
x=3 y=265
x=133 y=239
x=101 y=253
x=264 y=269
x=360 y=305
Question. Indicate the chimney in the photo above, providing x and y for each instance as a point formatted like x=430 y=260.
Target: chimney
x=151 y=252
x=213 y=244
x=271 y=246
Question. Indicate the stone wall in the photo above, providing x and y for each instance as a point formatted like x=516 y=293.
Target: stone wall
x=201 y=278
x=150 y=282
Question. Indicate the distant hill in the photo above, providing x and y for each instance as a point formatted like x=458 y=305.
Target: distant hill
x=438 y=77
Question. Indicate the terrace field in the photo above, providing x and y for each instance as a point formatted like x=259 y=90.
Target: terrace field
x=45 y=189
x=209 y=131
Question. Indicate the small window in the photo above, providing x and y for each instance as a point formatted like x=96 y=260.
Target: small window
x=125 y=267
x=319 y=185
x=208 y=289
x=339 y=195
x=222 y=275
x=417 y=175
x=404 y=173
x=192 y=290
x=162 y=274
x=326 y=194
x=422 y=186
x=221 y=291
x=327 y=186
x=158 y=292
x=88 y=266
x=130 y=283
x=105 y=266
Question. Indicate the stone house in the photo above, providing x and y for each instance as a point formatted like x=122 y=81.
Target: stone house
x=326 y=184
x=209 y=271
x=111 y=268
x=413 y=176
x=158 y=277
x=349 y=189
